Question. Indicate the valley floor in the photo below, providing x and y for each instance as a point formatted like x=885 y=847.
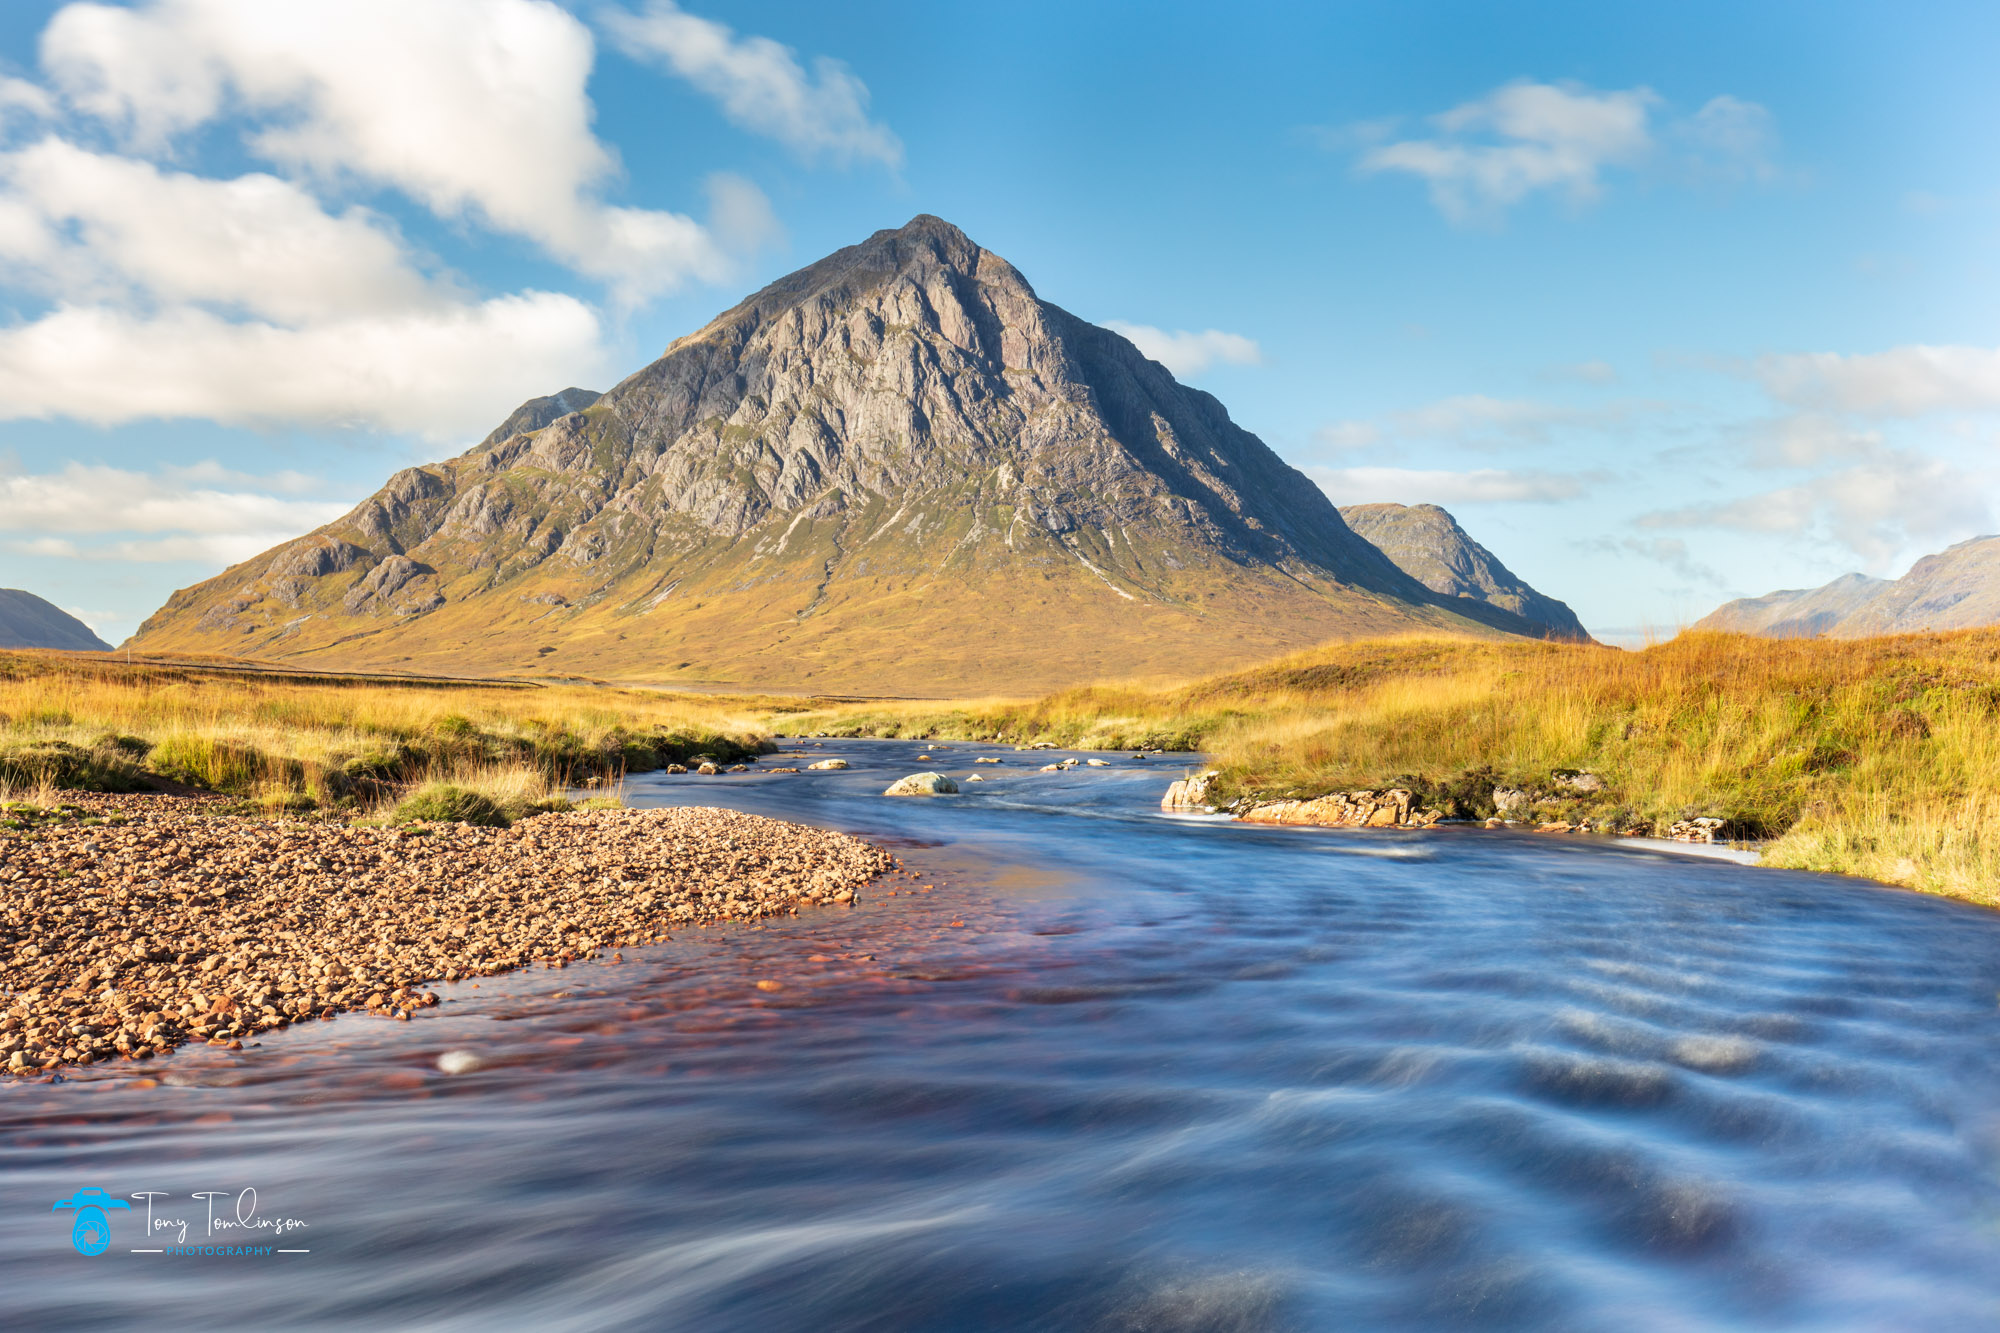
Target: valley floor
x=1873 y=757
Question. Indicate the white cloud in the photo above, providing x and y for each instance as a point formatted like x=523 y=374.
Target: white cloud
x=1526 y=137
x=1358 y=485
x=20 y=96
x=1186 y=354
x=1539 y=136
x=1901 y=382
x=472 y=107
x=184 y=513
x=760 y=84
x=1731 y=137
x=77 y=223
x=1876 y=510
x=440 y=372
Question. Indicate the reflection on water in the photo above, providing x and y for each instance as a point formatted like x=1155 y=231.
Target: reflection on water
x=1087 y=1067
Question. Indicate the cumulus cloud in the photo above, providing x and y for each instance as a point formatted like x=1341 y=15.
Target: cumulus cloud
x=1186 y=354
x=205 y=514
x=475 y=108
x=1524 y=137
x=441 y=372
x=1358 y=485
x=78 y=224
x=244 y=301
x=760 y=84
x=1875 y=510
x=1901 y=382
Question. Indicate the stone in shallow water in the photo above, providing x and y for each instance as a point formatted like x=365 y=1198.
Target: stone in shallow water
x=922 y=784
x=460 y=1062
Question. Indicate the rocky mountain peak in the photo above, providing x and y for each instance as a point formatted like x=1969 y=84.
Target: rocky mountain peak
x=902 y=428
x=1427 y=543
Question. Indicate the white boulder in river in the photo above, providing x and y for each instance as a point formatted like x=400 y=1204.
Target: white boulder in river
x=922 y=784
x=829 y=763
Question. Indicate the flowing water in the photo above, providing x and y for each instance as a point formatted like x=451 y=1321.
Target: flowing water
x=1097 y=1068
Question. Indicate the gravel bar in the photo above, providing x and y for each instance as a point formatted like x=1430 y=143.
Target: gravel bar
x=170 y=922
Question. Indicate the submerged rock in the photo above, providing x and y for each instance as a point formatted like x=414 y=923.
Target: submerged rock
x=922 y=784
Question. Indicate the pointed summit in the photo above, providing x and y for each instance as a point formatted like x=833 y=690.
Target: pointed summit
x=895 y=470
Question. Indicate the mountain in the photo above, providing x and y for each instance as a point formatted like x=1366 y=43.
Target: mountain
x=896 y=470
x=26 y=621
x=1957 y=588
x=1429 y=546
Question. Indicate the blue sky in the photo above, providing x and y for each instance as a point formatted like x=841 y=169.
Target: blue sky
x=1668 y=304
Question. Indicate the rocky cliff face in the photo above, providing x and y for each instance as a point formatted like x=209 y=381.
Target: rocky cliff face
x=1958 y=588
x=895 y=470
x=1427 y=544
x=26 y=621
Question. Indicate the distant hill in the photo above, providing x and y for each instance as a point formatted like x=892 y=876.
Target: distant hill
x=26 y=621
x=1958 y=588
x=895 y=471
x=1427 y=544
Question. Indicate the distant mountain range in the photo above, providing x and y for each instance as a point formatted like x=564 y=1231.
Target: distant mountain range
x=1429 y=546
x=895 y=471
x=26 y=621
x=1955 y=589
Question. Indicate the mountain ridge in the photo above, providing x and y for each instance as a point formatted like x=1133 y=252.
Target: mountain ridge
x=896 y=467
x=1428 y=544
x=28 y=621
x=1956 y=588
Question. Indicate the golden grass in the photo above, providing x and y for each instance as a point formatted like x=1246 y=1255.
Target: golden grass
x=298 y=742
x=1878 y=757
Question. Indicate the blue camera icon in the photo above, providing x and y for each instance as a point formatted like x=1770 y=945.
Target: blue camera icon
x=92 y=1232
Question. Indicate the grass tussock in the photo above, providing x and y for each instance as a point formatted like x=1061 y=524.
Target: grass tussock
x=1878 y=757
x=298 y=744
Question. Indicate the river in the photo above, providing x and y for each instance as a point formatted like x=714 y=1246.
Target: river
x=1093 y=1067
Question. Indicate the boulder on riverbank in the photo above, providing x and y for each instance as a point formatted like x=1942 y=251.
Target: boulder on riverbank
x=1345 y=809
x=1706 y=828
x=922 y=784
x=1190 y=794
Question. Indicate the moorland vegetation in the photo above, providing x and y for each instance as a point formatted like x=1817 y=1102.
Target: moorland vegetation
x=1878 y=757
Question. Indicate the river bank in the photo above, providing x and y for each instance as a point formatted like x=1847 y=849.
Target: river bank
x=142 y=922
x=1871 y=757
